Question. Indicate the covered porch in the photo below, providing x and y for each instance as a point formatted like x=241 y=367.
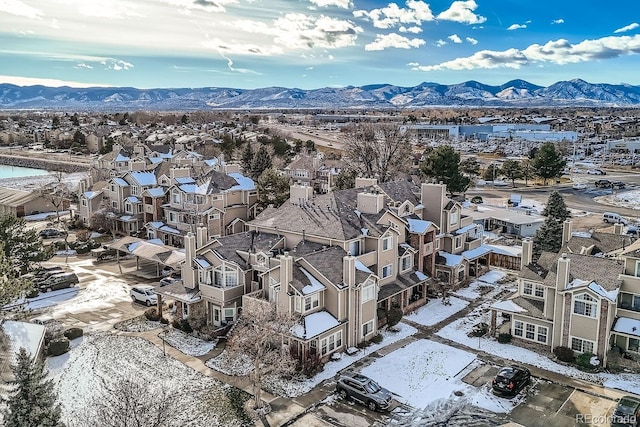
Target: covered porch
x=407 y=292
x=151 y=256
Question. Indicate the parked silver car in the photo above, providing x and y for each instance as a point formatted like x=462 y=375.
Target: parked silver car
x=365 y=390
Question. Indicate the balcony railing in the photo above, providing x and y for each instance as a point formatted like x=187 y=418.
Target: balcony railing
x=428 y=248
x=221 y=295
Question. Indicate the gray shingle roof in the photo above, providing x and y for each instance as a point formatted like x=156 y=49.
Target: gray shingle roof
x=329 y=262
x=601 y=242
x=534 y=307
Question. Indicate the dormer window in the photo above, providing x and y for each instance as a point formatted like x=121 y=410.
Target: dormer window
x=261 y=259
x=453 y=218
x=175 y=197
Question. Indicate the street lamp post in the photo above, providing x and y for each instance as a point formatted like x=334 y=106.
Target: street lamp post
x=164 y=333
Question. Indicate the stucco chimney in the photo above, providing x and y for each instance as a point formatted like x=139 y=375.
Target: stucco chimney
x=566 y=231
x=202 y=235
x=618 y=228
x=300 y=193
x=562 y=272
x=527 y=252
x=370 y=203
x=349 y=269
x=188 y=272
x=286 y=269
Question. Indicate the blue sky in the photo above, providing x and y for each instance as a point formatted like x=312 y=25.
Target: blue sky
x=316 y=43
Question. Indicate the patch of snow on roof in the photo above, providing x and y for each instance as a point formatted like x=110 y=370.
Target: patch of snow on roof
x=30 y=336
x=156 y=191
x=610 y=295
x=451 y=260
x=627 y=326
x=144 y=178
x=202 y=262
x=419 y=226
x=421 y=275
x=315 y=324
x=314 y=284
x=508 y=306
x=244 y=183
x=472 y=254
x=361 y=267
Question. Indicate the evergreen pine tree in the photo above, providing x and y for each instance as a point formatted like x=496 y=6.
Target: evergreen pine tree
x=32 y=401
x=548 y=238
x=247 y=158
x=556 y=208
x=261 y=162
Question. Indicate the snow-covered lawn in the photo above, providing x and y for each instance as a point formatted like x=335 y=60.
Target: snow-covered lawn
x=436 y=311
x=425 y=372
x=137 y=324
x=300 y=386
x=102 y=361
x=457 y=331
x=188 y=344
x=625 y=199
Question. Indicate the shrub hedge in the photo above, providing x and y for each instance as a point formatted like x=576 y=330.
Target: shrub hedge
x=73 y=333
x=58 y=346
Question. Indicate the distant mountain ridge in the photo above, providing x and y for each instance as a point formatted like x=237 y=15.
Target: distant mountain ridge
x=515 y=93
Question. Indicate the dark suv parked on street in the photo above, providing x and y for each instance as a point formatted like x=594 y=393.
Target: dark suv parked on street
x=365 y=390
x=627 y=413
x=510 y=380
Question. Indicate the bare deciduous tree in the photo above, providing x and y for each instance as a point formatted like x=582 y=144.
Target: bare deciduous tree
x=131 y=403
x=261 y=335
x=378 y=150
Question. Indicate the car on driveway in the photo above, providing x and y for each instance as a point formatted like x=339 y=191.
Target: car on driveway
x=58 y=281
x=627 y=412
x=618 y=185
x=510 y=380
x=364 y=390
x=169 y=280
x=144 y=294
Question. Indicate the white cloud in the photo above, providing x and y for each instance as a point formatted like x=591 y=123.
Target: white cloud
x=185 y=6
x=391 y=16
x=345 y=4
x=384 y=41
x=31 y=81
x=414 y=29
x=110 y=9
x=558 y=21
x=440 y=43
x=626 y=28
x=555 y=51
x=462 y=12
x=516 y=27
x=454 y=38
x=471 y=40
x=18 y=8
x=83 y=65
x=116 y=64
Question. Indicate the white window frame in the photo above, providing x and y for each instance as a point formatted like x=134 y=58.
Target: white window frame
x=368 y=292
x=581 y=345
x=453 y=217
x=367 y=328
x=585 y=305
x=530 y=331
x=409 y=262
x=175 y=197
x=387 y=268
x=518 y=328
x=538 y=291
x=527 y=288
x=311 y=302
x=331 y=343
x=542 y=334
x=387 y=243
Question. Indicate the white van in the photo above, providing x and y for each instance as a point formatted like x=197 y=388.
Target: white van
x=614 y=218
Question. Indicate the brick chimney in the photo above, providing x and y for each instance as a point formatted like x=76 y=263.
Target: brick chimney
x=286 y=270
x=202 y=235
x=300 y=193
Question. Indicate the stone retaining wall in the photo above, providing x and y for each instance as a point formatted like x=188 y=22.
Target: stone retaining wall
x=46 y=164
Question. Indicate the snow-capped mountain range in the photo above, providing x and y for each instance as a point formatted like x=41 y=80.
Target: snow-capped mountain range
x=515 y=93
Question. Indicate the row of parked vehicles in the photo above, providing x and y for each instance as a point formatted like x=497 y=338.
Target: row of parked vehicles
x=47 y=279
